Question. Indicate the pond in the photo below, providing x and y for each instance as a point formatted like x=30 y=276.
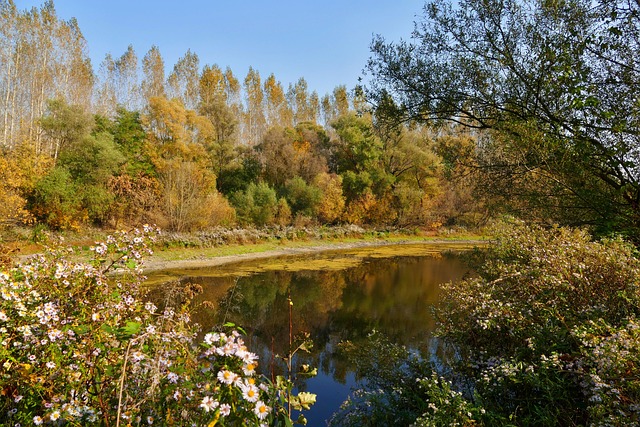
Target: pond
x=336 y=296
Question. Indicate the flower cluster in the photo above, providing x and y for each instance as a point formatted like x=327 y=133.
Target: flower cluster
x=80 y=344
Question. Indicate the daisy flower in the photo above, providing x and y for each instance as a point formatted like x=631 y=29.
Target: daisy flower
x=261 y=410
x=208 y=403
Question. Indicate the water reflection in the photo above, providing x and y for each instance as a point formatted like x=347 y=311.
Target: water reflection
x=392 y=295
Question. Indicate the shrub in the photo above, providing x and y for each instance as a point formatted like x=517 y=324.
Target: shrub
x=302 y=197
x=257 y=205
x=547 y=333
x=81 y=346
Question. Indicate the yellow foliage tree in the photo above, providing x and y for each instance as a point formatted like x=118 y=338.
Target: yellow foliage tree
x=332 y=204
x=189 y=199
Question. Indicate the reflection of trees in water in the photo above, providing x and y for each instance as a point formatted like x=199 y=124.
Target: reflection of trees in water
x=394 y=296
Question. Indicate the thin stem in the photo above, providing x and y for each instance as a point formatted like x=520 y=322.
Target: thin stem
x=122 y=377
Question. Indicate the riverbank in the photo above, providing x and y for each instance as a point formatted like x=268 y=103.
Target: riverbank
x=210 y=257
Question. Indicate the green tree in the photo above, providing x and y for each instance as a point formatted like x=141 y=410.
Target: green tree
x=303 y=198
x=258 y=204
x=555 y=86
x=214 y=106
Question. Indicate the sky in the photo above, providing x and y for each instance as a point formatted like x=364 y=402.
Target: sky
x=326 y=42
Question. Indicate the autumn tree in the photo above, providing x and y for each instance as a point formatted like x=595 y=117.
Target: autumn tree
x=305 y=106
x=255 y=120
x=335 y=104
x=177 y=146
x=214 y=106
x=42 y=57
x=277 y=109
x=13 y=209
x=288 y=153
x=127 y=76
x=153 y=74
x=332 y=204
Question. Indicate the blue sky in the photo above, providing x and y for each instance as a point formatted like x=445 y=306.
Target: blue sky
x=326 y=42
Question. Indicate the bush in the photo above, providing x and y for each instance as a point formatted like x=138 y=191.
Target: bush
x=257 y=205
x=302 y=197
x=81 y=346
x=547 y=333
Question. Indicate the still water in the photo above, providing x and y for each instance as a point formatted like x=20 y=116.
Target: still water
x=336 y=296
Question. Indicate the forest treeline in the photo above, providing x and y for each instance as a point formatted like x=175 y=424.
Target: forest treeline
x=123 y=143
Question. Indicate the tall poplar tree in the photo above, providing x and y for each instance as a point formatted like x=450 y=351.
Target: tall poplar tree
x=277 y=109
x=184 y=80
x=255 y=121
x=153 y=74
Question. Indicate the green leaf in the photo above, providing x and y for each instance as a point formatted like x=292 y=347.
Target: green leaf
x=234 y=326
x=129 y=330
x=306 y=399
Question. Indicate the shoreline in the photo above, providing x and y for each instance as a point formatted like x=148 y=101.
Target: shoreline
x=154 y=264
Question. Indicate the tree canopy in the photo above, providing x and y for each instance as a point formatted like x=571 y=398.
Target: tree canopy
x=550 y=86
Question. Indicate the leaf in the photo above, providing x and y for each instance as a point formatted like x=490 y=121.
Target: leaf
x=129 y=330
x=234 y=326
x=305 y=370
x=306 y=399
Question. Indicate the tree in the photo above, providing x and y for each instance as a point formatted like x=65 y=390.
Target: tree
x=127 y=87
x=553 y=88
x=255 y=121
x=277 y=108
x=177 y=138
x=305 y=106
x=63 y=125
x=213 y=105
x=153 y=74
x=42 y=58
x=183 y=82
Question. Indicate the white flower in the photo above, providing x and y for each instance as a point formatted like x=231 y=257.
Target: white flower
x=211 y=338
x=54 y=415
x=137 y=356
x=3 y=317
x=261 y=410
x=225 y=409
x=208 y=403
x=37 y=420
x=173 y=377
x=250 y=392
x=150 y=307
x=226 y=377
x=249 y=369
